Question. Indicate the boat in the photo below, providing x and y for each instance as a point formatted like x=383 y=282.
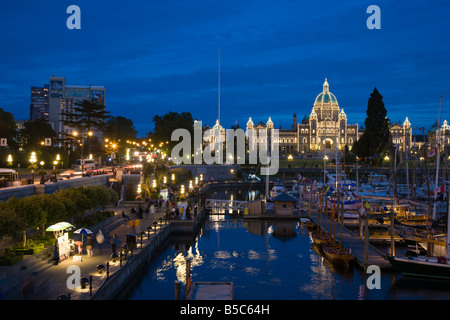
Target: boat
x=426 y=267
x=337 y=253
x=340 y=180
x=320 y=237
x=437 y=266
x=277 y=190
x=309 y=224
x=377 y=180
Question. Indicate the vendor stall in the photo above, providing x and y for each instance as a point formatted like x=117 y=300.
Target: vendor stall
x=63 y=246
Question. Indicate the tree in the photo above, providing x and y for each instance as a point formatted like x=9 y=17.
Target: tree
x=375 y=140
x=8 y=131
x=120 y=128
x=166 y=124
x=86 y=116
x=34 y=132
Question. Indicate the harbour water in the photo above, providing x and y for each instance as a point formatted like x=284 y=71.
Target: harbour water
x=271 y=260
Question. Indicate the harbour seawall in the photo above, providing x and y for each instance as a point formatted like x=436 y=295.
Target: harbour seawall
x=49 y=188
x=123 y=281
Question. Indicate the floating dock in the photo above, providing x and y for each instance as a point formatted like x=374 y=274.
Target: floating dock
x=350 y=241
x=211 y=291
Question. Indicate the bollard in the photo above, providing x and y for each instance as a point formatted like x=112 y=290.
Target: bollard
x=177 y=290
x=107 y=270
x=188 y=274
x=90 y=285
x=120 y=259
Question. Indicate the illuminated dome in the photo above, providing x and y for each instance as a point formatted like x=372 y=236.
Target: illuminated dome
x=326 y=96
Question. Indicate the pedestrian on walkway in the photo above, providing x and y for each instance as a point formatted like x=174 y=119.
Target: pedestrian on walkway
x=100 y=238
x=114 y=243
x=80 y=249
x=89 y=246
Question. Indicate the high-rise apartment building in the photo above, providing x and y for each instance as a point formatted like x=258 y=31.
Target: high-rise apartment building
x=39 y=103
x=57 y=98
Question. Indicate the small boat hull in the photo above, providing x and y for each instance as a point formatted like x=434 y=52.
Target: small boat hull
x=337 y=254
x=320 y=237
x=435 y=268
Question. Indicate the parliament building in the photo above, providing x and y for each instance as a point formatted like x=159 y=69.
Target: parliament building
x=318 y=134
x=324 y=131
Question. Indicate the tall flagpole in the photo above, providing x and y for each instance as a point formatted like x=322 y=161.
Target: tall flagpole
x=219 y=89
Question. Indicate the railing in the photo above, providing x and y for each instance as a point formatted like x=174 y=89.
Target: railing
x=225 y=204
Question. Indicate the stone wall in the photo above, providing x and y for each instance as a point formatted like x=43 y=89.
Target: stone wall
x=49 y=188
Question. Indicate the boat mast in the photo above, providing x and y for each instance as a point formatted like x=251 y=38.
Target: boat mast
x=438 y=151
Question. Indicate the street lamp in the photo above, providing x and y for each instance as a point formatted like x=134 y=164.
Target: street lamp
x=75 y=134
x=182 y=189
x=33 y=160
x=9 y=160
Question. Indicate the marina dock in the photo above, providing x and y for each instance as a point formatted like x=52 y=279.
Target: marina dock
x=351 y=241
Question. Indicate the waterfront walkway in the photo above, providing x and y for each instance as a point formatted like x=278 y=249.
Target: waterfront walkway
x=39 y=278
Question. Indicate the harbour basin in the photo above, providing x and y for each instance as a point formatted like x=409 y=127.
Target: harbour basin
x=270 y=260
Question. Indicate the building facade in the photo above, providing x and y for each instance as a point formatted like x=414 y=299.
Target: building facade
x=39 y=102
x=324 y=131
x=56 y=98
x=320 y=133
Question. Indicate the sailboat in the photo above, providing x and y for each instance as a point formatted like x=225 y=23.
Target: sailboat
x=334 y=251
x=436 y=267
x=321 y=237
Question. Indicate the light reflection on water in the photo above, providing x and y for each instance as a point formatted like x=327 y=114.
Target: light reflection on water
x=268 y=261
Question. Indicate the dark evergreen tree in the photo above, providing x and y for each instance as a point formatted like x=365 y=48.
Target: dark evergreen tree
x=374 y=142
x=167 y=123
x=86 y=116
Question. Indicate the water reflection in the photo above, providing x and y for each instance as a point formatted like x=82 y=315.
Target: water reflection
x=270 y=260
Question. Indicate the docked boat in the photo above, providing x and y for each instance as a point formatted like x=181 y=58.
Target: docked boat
x=426 y=267
x=340 y=180
x=277 y=190
x=337 y=253
x=321 y=237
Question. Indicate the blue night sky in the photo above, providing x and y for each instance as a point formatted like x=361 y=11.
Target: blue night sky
x=159 y=56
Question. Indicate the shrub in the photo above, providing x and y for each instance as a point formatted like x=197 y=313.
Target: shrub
x=10 y=260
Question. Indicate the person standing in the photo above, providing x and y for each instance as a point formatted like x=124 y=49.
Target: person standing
x=89 y=246
x=114 y=243
x=100 y=238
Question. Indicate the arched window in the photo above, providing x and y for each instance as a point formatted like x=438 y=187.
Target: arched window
x=305 y=140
